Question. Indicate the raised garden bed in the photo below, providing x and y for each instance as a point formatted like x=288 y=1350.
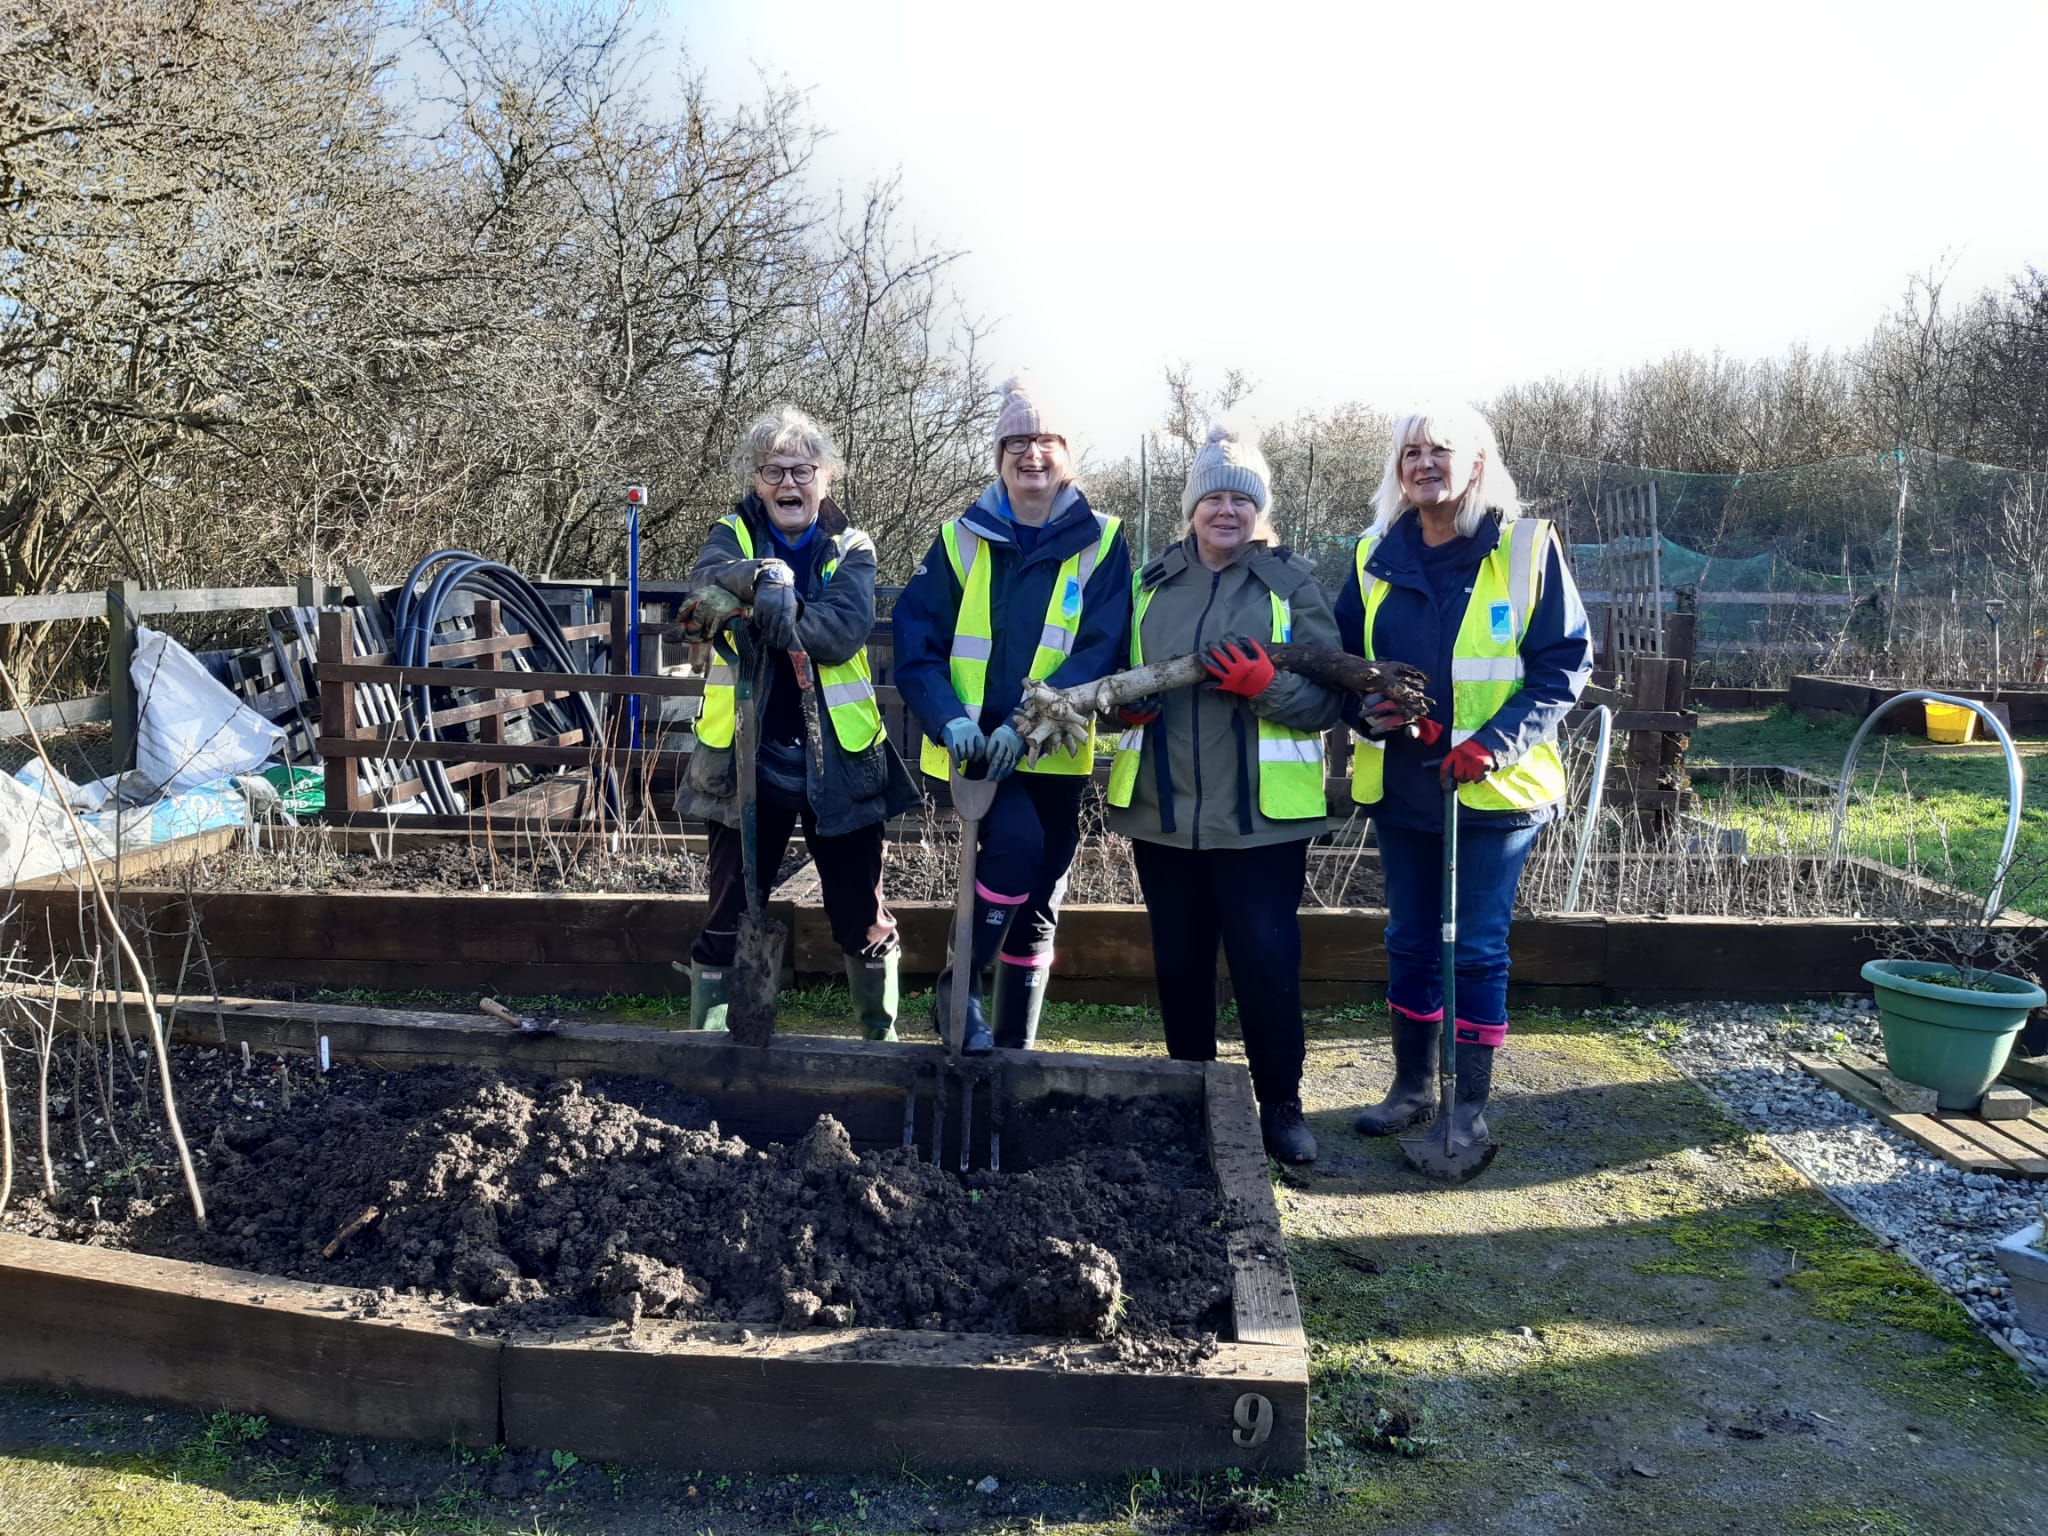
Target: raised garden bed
x=2026 y=704
x=589 y=944
x=492 y=1345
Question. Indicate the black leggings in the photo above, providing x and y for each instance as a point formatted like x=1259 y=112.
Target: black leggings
x=1246 y=900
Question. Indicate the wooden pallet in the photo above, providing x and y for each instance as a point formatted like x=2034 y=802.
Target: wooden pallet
x=2012 y=1149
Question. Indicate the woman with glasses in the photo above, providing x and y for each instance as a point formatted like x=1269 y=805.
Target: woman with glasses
x=823 y=761
x=1220 y=789
x=1029 y=582
x=1452 y=578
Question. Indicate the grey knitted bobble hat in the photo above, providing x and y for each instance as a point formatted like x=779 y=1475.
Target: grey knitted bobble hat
x=1022 y=414
x=1226 y=462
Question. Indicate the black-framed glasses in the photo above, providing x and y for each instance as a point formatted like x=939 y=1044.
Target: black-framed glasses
x=795 y=474
x=1045 y=442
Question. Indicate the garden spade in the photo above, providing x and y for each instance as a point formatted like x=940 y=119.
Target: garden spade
x=971 y=800
x=757 y=961
x=1439 y=1153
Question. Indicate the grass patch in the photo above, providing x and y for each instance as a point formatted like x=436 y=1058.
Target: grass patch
x=1936 y=810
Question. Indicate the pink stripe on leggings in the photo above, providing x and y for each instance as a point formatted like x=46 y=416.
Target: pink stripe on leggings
x=1420 y=1018
x=1002 y=901
x=1481 y=1034
x=1030 y=960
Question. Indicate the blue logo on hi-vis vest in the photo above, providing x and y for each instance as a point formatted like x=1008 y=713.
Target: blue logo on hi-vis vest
x=1070 y=601
x=1500 y=620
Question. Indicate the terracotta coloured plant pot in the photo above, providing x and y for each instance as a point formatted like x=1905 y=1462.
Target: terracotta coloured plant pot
x=1946 y=1036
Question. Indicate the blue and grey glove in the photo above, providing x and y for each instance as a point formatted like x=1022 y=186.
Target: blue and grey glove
x=1005 y=749
x=965 y=742
x=775 y=611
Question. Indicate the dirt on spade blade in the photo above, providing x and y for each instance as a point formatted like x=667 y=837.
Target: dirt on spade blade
x=544 y=1199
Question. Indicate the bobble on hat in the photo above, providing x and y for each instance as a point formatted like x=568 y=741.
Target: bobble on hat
x=1226 y=462
x=1021 y=414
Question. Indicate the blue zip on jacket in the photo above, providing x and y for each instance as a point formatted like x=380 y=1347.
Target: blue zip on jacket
x=1418 y=622
x=1020 y=591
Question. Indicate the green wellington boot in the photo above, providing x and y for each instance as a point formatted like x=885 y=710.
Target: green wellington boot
x=872 y=979
x=709 y=985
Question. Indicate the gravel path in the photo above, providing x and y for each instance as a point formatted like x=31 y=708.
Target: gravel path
x=1945 y=1218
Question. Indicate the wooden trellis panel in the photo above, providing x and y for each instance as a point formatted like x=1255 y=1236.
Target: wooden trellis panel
x=1635 y=566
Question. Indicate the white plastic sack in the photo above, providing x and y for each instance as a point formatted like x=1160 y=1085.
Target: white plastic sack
x=36 y=837
x=191 y=731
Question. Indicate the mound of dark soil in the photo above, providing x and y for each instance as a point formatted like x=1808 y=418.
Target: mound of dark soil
x=548 y=1198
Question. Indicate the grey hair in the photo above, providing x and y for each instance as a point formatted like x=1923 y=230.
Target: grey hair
x=784 y=430
x=1452 y=426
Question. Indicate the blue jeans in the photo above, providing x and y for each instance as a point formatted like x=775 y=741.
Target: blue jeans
x=1489 y=869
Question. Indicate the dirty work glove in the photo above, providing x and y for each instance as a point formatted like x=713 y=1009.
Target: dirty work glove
x=1426 y=731
x=1005 y=747
x=772 y=573
x=1383 y=717
x=965 y=742
x=775 y=610
x=1245 y=674
x=1141 y=711
x=1468 y=763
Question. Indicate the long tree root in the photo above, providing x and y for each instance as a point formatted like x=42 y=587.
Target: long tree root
x=1057 y=719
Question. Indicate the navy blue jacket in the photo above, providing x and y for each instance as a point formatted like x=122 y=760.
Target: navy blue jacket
x=1020 y=591
x=1414 y=625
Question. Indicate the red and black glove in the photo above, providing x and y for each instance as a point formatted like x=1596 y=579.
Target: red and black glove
x=1427 y=731
x=1247 y=676
x=1468 y=763
x=1141 y=711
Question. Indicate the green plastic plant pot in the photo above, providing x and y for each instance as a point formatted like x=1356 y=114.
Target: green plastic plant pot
x=1945 y=1036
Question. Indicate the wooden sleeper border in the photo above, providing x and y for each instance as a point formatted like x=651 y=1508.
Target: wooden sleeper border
x=200 y=1337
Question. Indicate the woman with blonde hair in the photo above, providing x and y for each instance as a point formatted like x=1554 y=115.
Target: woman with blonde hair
x=1452 y=578
x=1220 y=788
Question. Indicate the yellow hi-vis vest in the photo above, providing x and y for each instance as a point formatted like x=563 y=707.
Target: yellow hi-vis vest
x=1290 y=761
x=1486 y=671
x=974 y=636
x=847 y=686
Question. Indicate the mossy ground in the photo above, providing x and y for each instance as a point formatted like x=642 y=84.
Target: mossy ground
x=1638 y=1320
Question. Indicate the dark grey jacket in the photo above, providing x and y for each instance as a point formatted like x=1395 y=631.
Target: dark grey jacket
x=856 y=789
x=1203 y=792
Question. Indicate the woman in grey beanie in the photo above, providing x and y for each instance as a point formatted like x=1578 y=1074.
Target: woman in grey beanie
x=1220 y=789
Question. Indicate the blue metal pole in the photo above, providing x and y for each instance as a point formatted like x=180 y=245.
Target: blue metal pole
x=636 y=497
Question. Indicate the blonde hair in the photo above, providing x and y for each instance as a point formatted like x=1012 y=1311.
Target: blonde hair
x=1449 y=426
x=784 y=430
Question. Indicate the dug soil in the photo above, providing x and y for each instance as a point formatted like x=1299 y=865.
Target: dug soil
x=540 y=1199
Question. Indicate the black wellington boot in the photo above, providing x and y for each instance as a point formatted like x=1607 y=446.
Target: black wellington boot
x=1412 y=1099
x=1475 y=1083
x=1285 y=1131
x=991 y=922
x=1019 y=997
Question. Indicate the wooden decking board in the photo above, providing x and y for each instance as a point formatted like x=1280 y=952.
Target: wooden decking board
x=1923 y=1129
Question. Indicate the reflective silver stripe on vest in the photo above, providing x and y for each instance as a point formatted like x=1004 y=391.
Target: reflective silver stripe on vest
x=1132 y=739
x=1092 y=555
x=1486 y=669
x=720 y=675
x=972 y=647
x=968 y=543
x=1056 y=637
x=1522 y=550
x=857 y=692
x=1290 y=749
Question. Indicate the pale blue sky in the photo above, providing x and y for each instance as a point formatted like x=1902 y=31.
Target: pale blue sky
x=1376 y=202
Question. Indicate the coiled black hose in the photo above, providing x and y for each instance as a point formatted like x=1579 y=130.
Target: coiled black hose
x=420 y=606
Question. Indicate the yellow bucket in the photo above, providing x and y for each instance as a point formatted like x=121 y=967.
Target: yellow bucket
x=1950 y=723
